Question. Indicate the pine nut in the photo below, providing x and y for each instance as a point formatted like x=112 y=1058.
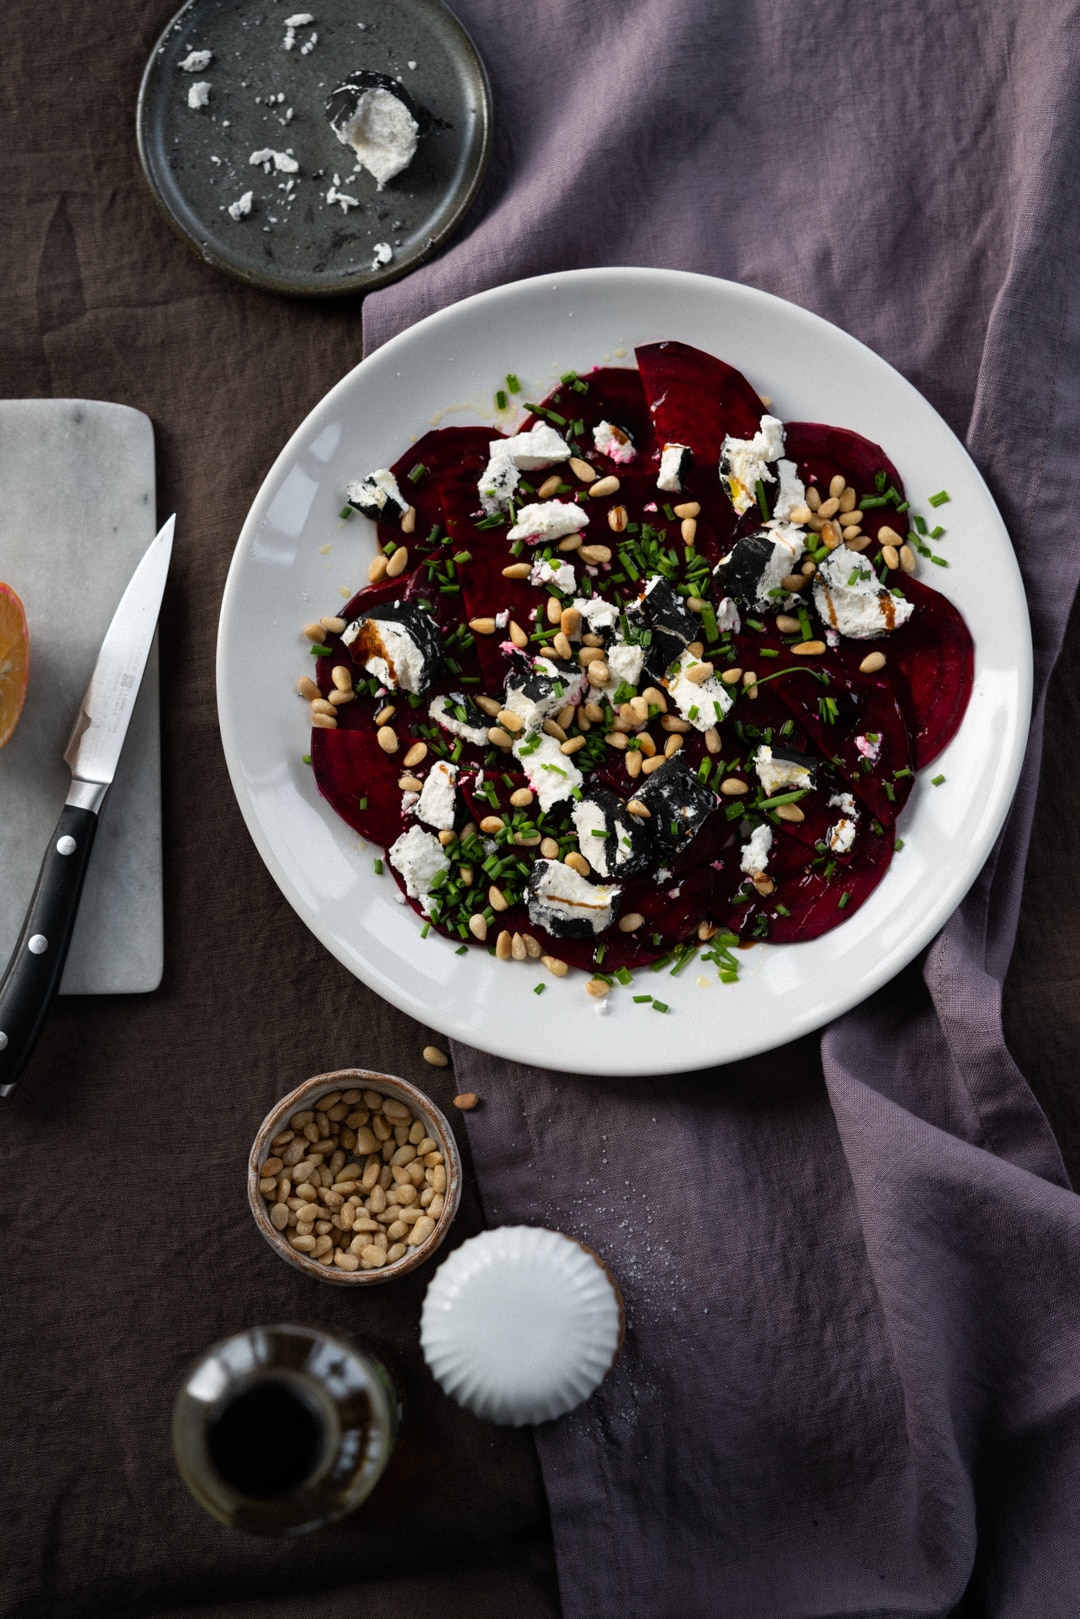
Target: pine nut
x=557 y=968
x=398 y=562
x=340 y=698
x=808 y=649
x=674 y=722
x=890 y=556
x=829 y=508
x=416 y=754
x=630 y=922
x=565 y=717
x=872 y=663
x=386 y=737
x=655 y=698
x=561 y=647
x=653 y=764
x=787 y=625
x=510 y=721
x=889 y=536
x=598 y=672
x=553 y=728
x=698 y=673
x=549 y=849
x=831 y=535
x=837 y=485
x=522 y=798
x=447 y=836
x=385 y=715
x=907 y=559
x=732 y=787
x=633 y=764
x=500 y=738
x=533 y=948
x=617 y=518
x=503 y=946
x=421 y=1231
x=517 y=570
x=549 y=487
x=592 y=640
x=794 y=582
x=688 y=508
x=848 y=499
x=482 y=626
x=517 y=948
x=646 y=745
x=813 y=498
x=517 y=635
x=466 y=1101
x=491 y=824
x=604 y=486
x=597 y=989
x=572 y=744
x=577 y=862
x=712 y=740
x=572 y=542
x=731 y=677
x=410 y=784
x=307 y=687
x=497 y=899
x=615 y=739
x=319 y=705
x=488 y=705
x=595 y=555
x=377 y=569
x=582 y=471
x=478 y=926
x=672 y=746
x=314 y=632
x=858 y=542
x=324 y=722
x=801 y=515
x=688 y=530
x=789 y=812
x=408 y=520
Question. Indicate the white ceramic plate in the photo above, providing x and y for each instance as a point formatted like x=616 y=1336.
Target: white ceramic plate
x=294 y=557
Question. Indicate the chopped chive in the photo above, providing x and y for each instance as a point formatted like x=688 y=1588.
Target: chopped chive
x=762 y=502
x=538 y=989
x=841 y=903
x=768 y=652
x=462 y=950
x=318 y=651
x=305 y=758
x=659 y=1006
x=899 y=844
x=941 y=498
x=568 y=376
x=512 y=383
x=640 y=1000
x=417 y=472
x=500 y=399
x=378 y=867
x=936 y=781
x=920 y=523
x=936 y=533
x=783 y=798
x=940 y=561
x=425 y=930
x=363 y=803
x=624 y=975
x=346 y=511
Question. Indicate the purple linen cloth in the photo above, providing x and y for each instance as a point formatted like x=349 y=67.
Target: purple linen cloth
x=851 y=1383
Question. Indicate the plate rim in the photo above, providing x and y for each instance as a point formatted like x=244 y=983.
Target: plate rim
x=363 y=281
x=799 y=1025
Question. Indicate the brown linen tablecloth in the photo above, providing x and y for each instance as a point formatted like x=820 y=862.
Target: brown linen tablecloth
x=128 y=1246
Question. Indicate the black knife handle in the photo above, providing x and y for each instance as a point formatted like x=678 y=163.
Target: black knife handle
x=33 y=974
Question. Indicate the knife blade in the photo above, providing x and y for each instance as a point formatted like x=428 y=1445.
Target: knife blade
x=32 y=977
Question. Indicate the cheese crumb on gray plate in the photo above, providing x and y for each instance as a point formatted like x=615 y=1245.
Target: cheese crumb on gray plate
x=196 y=61
x=242 y=206
x=198 y=94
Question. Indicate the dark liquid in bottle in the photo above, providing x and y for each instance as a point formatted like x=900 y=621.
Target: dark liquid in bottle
x=266 y=1441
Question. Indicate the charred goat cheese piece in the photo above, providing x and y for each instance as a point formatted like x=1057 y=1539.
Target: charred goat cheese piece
x=376 y=117
x=675 y=462
x=546 y=521
x=613 y=442
x=508 y=458
x=782 y=770
x=754 y=570
x=438 y=799
x=399 y=644
x=841 y=836
x=377 y=496
x=553 y=775
x=419 y=857
x=538 y=688
x=702 y=703
x=744 y=462
x=614 y=842
x=460 y=716
x=661 y=612
x=678 y=804
x=852 y=601
x=567 y=904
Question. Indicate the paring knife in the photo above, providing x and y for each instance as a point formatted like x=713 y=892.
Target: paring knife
x=33 y=974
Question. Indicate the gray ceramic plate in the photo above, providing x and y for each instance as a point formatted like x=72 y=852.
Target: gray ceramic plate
x=266 y=97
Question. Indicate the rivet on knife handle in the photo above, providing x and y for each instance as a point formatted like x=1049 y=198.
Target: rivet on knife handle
x=32 y=979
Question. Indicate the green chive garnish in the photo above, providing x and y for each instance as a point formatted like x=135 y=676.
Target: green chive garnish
x=346 y=511
x=936 y=781
x=512 y=383
x=659 y=1006
x=538 y=989
x=941 y=498
x=417 y=472
x=318 y=651
x=378 y=867
x=500 y=399
x=306 y=758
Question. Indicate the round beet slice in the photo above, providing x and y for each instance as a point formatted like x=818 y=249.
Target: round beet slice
x=359 y=781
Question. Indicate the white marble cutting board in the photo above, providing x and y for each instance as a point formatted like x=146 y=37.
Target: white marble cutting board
x=77 y=510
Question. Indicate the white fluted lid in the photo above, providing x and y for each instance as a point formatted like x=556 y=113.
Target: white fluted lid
x=521 y=1324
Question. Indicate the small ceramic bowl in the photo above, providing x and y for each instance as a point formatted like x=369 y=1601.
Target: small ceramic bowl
x=303 y=1100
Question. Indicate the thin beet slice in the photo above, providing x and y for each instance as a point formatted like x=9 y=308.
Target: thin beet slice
x=359 y=781
x=936 y=654
x=820 y=452
x=812 y=900
x=448 y=455
x=610 y=393
x=697 y=399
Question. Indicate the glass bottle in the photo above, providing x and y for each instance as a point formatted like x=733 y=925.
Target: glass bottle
x=281 y=1429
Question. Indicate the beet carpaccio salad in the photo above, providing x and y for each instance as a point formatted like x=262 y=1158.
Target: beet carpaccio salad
x=650 y=676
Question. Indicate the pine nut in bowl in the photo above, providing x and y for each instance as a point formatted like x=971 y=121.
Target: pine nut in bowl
x=354 y=1177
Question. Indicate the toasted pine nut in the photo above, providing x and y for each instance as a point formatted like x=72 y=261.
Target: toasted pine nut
x=630 y=922
x=517 y=948
x=549 y=849
x=646 y=744
x=872 y=663
x=408 y=520
x=517 y=570
x=595 y=555
x=688 y=530
x=503 y=946
x=385 y=715
x=561 y=647
x=478 y=926
x=598 y=672
x=789 y=812
x=517 y=635
x=698 y=673
x=633 y=764
x=907 y=559
x=604 y=486
x=837 y=485
x=482 y=626
x=410 y=784
x=332 y=626
x=696 y=649
x=307 y=687
x=510 y=721
x=801 y=514
x=794 y=581
x=466 y=1101
x=497 y=899
x=617 y=519
x=500 y=738
x=577 y=862
x=416 y=755
x=553 y=728
x=340 y=698
x=558 y=968
x=889 y=536
x=848 y=499
x=572 y=542
x=314 y=632
x=890 y=556
x=582 y=471
x=491 y=824
x=319 y=705
x=787 y=625
x=653 y=764
x=488 y=705
x=689 y=508
x=732 y=787
x=549 y=487
x=597 y=989
x=672 y=746
x=829 y=508
x=808 y=649
x=615 y=739
x=813 y=498
x=712 y=740
x=437 y=1058
x=569 y=621
x=398 y=562
x=831 y=535
x=447 y=836
x=858 y=542
x=572 y=744
x=522 y=798
x=674 y=722
x=377 y=569
x=731 y=677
